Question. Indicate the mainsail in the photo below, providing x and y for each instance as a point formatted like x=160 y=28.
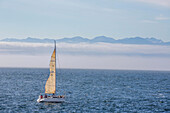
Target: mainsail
x=50 y=86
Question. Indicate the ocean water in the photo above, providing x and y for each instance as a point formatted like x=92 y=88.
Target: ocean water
x=96 y=91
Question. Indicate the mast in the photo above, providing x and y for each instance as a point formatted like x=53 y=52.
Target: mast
x=55 y=67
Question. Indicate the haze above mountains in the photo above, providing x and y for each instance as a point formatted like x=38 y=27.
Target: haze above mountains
x=104 y=39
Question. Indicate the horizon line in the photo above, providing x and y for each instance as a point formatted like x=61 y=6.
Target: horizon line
x=85 y=69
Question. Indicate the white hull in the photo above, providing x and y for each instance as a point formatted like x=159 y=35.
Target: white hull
x=51 y=100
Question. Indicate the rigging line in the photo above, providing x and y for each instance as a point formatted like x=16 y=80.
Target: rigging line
x=59 y=70
x=58 y=61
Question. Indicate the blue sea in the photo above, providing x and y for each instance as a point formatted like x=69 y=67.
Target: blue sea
x=94 y=91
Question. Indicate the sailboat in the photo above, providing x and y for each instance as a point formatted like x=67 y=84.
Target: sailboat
x=50 y=86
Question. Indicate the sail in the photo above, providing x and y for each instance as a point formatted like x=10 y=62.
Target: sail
x=50 y=86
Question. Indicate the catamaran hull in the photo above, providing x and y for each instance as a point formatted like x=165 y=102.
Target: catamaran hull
x=51 y=100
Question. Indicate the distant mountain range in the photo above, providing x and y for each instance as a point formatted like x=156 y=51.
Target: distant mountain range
x=104 y=39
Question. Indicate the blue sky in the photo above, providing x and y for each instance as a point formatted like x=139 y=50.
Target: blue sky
x=88 y=18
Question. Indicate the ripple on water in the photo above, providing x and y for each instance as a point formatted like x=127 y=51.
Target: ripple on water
x=86 y=91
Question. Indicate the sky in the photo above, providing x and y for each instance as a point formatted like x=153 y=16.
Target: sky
x=56 y=19
x=87 y=18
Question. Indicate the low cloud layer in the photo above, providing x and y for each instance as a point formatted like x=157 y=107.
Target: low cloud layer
x=84 y=55
x=102 y=49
